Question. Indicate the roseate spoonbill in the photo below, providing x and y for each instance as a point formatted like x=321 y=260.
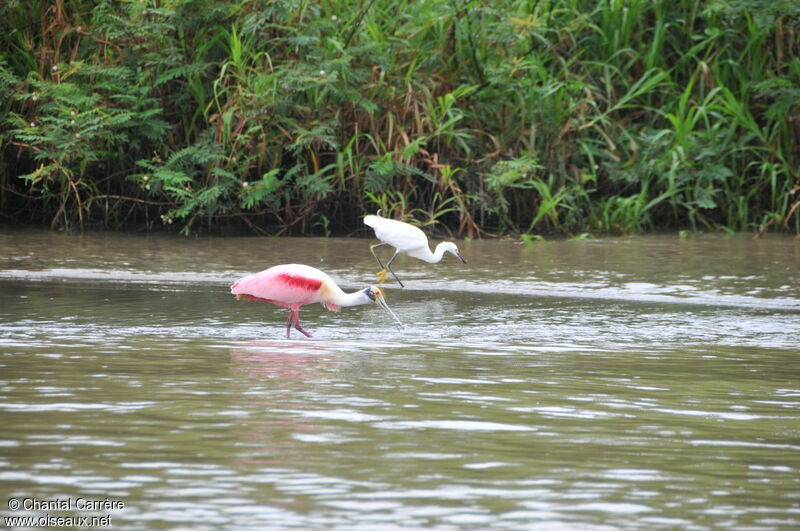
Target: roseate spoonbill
x=295 y=285
x=407 y=239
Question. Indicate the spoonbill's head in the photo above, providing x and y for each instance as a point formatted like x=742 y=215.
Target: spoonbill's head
x=450 y=247
x=375 y=294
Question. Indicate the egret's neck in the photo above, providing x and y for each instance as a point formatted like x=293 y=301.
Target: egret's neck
x=438 y=253
x=423 y=253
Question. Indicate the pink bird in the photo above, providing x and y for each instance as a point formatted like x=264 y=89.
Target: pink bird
x=295 y=285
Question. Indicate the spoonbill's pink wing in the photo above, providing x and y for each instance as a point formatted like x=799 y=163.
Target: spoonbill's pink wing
x=282 y=285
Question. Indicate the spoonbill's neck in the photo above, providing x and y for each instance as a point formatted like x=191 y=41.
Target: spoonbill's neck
x=338 y=297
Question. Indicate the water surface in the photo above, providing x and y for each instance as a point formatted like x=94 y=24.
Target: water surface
x=644 y=382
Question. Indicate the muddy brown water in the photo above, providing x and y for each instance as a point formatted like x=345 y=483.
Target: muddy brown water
x=621 y=383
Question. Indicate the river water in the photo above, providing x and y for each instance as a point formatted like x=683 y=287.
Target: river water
x=621 y=383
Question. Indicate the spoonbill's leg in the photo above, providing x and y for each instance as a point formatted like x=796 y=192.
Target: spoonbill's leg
x=297 y=323
x=289 y=323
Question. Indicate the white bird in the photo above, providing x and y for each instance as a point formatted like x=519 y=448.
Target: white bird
x=407 y=239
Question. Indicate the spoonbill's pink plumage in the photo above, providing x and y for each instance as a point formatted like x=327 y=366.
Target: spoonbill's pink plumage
x=295 y=285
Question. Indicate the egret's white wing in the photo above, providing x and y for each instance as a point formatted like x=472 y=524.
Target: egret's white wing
x=402 y=236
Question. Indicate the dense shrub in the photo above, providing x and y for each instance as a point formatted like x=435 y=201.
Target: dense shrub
x=484 y=117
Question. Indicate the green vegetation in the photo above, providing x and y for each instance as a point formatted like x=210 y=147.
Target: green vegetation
x=297 y=117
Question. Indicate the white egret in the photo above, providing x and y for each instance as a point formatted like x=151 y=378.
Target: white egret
x=407 y=239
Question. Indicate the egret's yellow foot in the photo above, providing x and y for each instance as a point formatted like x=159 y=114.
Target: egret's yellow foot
x=382 y=276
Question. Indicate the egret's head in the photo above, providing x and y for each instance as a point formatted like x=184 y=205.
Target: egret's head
x=375 y=294
x=450 y=247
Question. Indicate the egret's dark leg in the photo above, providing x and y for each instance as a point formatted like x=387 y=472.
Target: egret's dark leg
x=297 y=323
x=372 y=249
x=382 y=272
x=389 y=267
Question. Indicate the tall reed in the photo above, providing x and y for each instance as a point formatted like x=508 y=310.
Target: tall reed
x=475 y=118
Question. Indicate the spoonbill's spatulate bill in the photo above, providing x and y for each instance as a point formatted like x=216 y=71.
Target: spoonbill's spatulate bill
x=295 y=285
x=407 y=239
